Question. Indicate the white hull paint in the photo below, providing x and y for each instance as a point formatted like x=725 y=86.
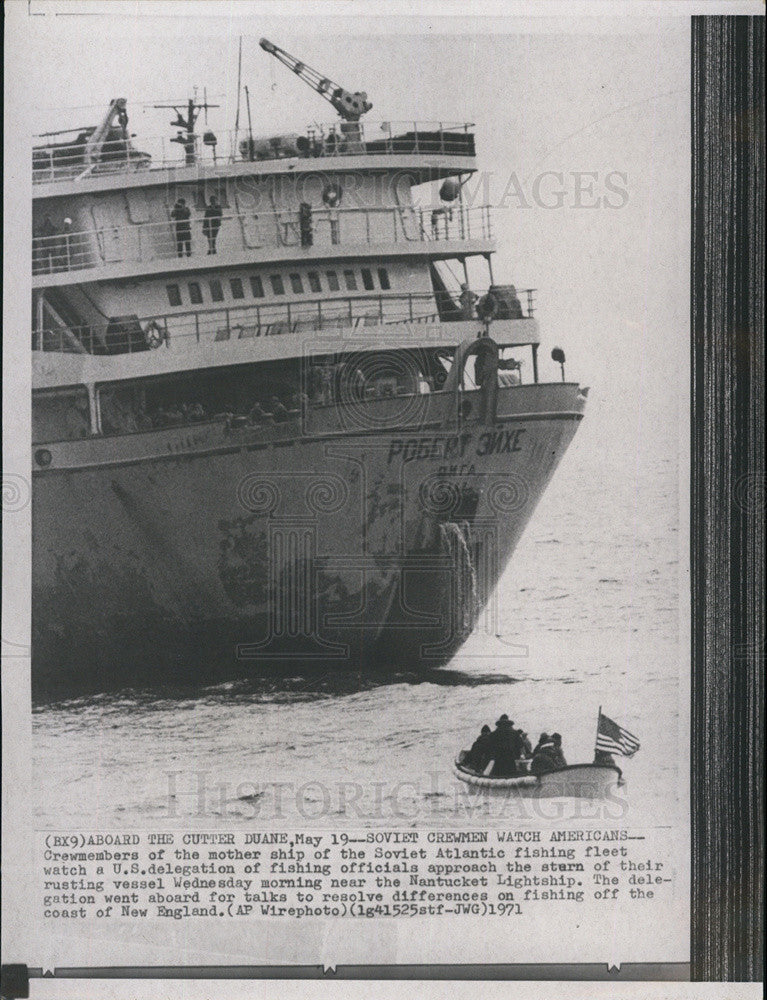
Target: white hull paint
x=579 y=781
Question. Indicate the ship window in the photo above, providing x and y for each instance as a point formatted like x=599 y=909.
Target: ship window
x=174 y=294
x=351 y=280
x=383 y=277
x=278 y=285
x=314 y=281
x=237 y=290
x=60 y=415
x=296 y=284
x=367 y=279
x=332 y=277
x=195 y=292
x=256 y=286
x=216 y=291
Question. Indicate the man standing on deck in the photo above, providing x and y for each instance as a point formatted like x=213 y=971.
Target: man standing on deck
x=212 y=223
x=181 y=216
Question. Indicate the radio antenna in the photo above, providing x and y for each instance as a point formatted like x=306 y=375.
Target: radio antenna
x=239 y=88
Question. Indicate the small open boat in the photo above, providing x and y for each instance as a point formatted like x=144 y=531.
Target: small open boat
x=581 y=781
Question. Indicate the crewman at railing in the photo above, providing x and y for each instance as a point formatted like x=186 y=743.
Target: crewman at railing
x=515 y=306
x=212 y=223
x=258 y=415
x=509 y=372
x=181 y=216
x=279 y=410
x=468 y=300
x=443 y=214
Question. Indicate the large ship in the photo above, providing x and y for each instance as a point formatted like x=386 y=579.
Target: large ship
x=272 y=429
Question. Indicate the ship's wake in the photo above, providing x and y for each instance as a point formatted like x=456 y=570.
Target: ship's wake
x=286 y=687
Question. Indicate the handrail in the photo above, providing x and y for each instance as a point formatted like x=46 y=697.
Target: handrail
x=66 y=161
x=163 y=331
x=241 y=232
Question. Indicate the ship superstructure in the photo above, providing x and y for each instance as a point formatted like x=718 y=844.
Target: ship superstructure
x=267 y=432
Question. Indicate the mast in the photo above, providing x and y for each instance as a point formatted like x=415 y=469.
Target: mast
x=187 y=137
x=596 y=737
x=250 y=123
x=239 y=88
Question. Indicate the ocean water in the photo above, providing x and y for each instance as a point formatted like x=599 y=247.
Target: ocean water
x=588 y=614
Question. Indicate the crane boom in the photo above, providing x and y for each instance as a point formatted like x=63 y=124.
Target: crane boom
x=349 y=106
x=99 y=136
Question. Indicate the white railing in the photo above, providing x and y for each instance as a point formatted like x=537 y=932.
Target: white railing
x=128 y=336
x=145 y=242
x=66 y=161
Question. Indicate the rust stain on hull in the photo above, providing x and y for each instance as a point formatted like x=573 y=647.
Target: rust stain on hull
x=344 y=554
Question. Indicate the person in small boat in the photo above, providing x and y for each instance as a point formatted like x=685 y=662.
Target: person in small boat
x=543 y=738
x=481 y=752
x=527 y=747
x=544 y=757
x=507 y=747
x=557 y=753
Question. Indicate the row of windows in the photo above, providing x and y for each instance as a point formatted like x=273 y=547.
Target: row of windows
x=314 y=283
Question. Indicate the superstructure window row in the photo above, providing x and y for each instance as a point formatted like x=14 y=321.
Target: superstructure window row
x=218 y=290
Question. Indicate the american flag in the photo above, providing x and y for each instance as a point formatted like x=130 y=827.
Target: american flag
x=613 y=738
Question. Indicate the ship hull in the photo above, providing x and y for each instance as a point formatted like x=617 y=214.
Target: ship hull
x=197 y=555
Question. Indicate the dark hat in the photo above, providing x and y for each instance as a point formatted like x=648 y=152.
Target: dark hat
x=544 y=737
x=486 y=729
x=556 y=736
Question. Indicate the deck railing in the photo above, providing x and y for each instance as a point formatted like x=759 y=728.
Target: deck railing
x=67 y=160
x=56 y=252
x=131 y=334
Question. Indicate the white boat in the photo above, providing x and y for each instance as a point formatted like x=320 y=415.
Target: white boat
x=580 y=781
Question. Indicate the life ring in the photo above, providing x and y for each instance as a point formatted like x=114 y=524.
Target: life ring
x=331 y=196
x=154 y=334
x=487 y=307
